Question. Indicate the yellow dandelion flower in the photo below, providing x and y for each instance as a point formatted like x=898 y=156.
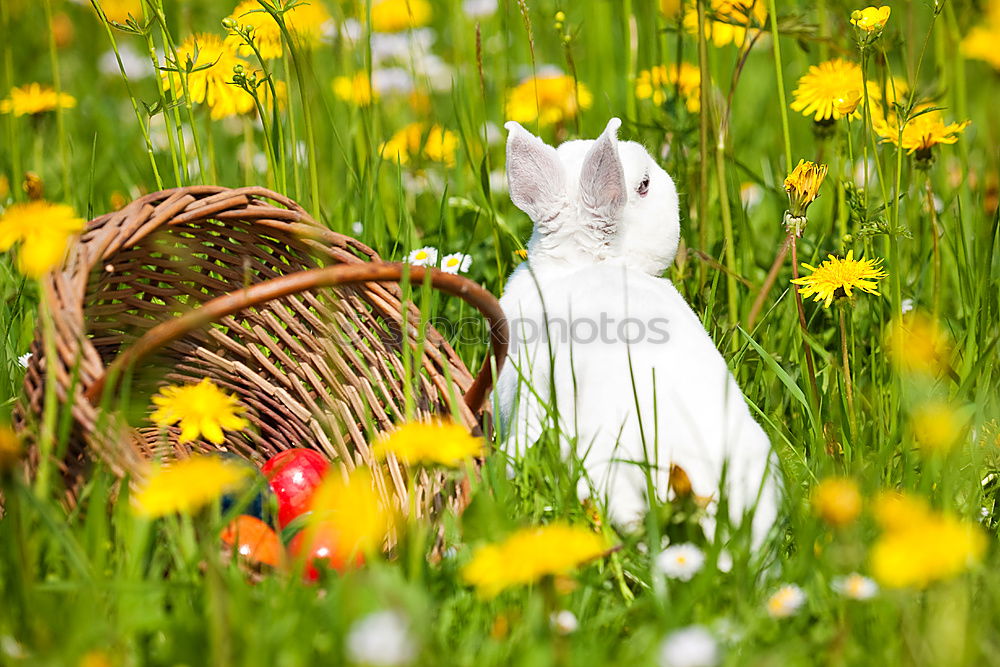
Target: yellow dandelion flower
x=981 y=43
x=550 y=99
x=870 y=19
x=43 y=231
x=728 y=21
x=530 y=554
x=355 y=89
x=658 y=82
x=304 y=22
x=118 y=11
x=33 y=99
x=355 y=512
x=202 y=410
x=919 y=546
x=399 y=15
x=820 y=89
x=921 y=133
x=802 y=186
x=433 y=142
x=11 y=449
x=837 y=501
x=188 y=485
x=670 y=8
x=936 y=426
x=433 y=442
x=213 y=62
x=838 y=277
x=917 y=344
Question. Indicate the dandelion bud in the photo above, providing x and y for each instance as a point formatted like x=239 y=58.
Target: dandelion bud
x=33 y=186
x=802 y=186
x=238 y=69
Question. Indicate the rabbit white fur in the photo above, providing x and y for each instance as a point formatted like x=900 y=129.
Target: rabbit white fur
x=654 y=389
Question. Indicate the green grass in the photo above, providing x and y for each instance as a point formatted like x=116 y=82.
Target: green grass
x=96 y=579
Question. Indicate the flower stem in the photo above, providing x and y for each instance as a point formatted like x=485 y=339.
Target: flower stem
x=782 y=102
x=803 y=329
x=772 y=276
x=846 y=366
x=935 y=236
x=60 y=116
x=703 y=138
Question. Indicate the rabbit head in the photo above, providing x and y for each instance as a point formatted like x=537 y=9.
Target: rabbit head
x=594 y=200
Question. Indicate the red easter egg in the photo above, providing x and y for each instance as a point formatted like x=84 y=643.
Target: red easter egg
x=253 y=539
x=294 y=475
x=319 y=543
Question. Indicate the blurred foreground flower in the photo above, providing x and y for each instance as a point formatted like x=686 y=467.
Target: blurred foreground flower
x=530 y=554
x=382 y=639
x=917 y=344
x=936 y=427
x=681 y=561
x=355 y=89
x=432 y=142
x=202 y=410
x=551 y=99
x=870 y=19
x=304 y=22
x=727 y=21
x=657 y=82
x=430 y=442
x=188 y=485
x=855 y=587
x=919 y=546
x=398 y=15
x=786 y=601
x=693 y=646
x=824 y=86
x=456 y=263
x=836 y=278
x=33 y=99
x=43 y=231
x=837 y=500
x=352 y=511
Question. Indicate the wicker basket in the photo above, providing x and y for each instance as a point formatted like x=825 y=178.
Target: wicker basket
x=238 y=286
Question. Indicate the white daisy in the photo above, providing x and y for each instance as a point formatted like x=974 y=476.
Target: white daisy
x=564 y=622
x=693 y=646
x=786 y=601
x=680 y=561
x=456 y=263
x=479 y=8
x=426 y=256
x=24 y=359
x=382 y=638
x=855 y=586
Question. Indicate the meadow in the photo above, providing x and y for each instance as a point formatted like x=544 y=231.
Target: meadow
x=877 y=385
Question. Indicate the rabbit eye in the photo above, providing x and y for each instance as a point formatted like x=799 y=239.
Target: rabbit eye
x=643 y=188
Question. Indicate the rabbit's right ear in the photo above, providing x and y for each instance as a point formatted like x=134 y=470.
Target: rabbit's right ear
x=534 y=175
x=602 y=178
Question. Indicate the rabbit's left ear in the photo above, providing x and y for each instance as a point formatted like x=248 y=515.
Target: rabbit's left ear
x=602 y=178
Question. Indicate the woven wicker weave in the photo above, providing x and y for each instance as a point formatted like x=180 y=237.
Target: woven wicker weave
x=230 y=284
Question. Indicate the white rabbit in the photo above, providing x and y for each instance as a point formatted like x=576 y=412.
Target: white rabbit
x=611 y=350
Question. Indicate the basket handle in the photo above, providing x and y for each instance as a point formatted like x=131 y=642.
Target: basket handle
x=340 y=274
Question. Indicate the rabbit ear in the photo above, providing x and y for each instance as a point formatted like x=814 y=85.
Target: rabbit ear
x=602 y=178
x=534 y=175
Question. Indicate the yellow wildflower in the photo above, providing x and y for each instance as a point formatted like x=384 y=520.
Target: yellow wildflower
x=870 y=19
x=355 y=512
x=919 y=546
x=399 y=15
x=33 y=99
x=202 y=410
x=43 y=230
x=304 y=21
x=209 y=83
x=434 y=143
x=981 y=43
x=727 y=21
x=848 y=103
x=820 y=89
x=355 y=89
x=550 y=99
x=657 y=82
x=917 y=344
x=439 y=442
x=670 y=8
x=837 y=501
x=118 y=11
x=936 y=426
x=11 y=449
x=188 y=485
x=836 y=278
x=802 y=186
x=530 y=554
x=921 y=133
